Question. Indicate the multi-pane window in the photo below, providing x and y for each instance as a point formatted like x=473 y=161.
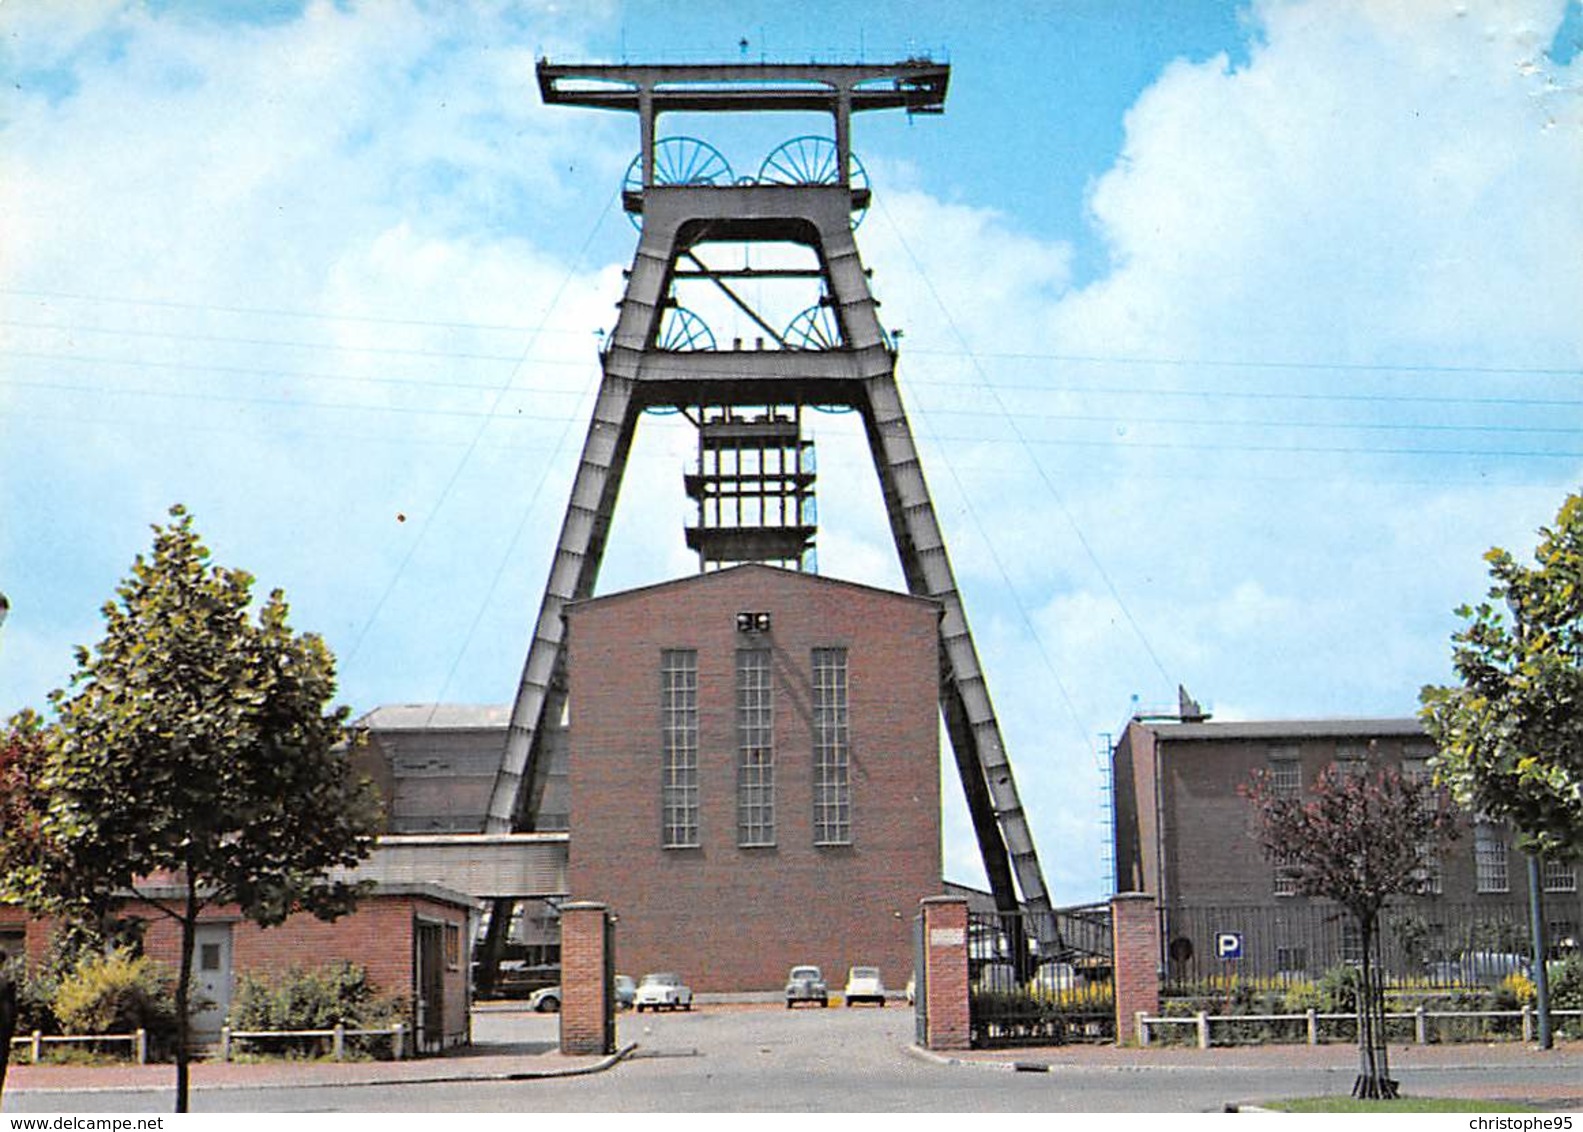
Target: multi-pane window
x=1286 y=773
x=755 y=749
x=832 y=772
x=1489 y=857
x=679 y=758
x=1560 y=876
x=1352 y=761
x=1285 y=877
x=1427 y=874
x=1351 y=941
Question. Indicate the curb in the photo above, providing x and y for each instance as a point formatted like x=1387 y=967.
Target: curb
x=371 y=1081
x=946 y=1059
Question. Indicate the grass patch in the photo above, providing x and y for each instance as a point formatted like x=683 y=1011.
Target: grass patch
x=1401 y=1104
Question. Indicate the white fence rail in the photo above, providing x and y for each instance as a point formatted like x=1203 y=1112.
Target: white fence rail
x=36 y=1041
x=1146 y=1023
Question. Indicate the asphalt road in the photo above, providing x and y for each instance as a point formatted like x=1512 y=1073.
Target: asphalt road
x=837 y=1060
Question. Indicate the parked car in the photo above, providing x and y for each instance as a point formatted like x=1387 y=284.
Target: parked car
x=806 y=984
x=996 y=978
x=515 y=978
x=1053 y=977
x=863 y=985
x=547 y=1000
x=1486 y=967
x=662 y=990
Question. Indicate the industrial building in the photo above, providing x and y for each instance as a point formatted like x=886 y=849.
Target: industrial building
x=1184 y=835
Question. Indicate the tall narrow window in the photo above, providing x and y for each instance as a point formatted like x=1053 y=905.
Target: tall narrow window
x=832 y=772
x=679 y=759
x=1286 y=772
x=755 y=749
x=1560 y=876
x=1489 y=857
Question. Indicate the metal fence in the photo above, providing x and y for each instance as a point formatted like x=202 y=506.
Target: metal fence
x=1427 y=945
x=1026 y=992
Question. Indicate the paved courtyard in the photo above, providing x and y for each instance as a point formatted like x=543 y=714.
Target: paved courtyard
x=754 y=1058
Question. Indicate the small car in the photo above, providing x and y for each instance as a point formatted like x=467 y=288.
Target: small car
x=1053 y=977
x=863 y=984
x=1478 y=967
x=547 y=1000
x=806 y=984
x=997 y=978
x=662 y=990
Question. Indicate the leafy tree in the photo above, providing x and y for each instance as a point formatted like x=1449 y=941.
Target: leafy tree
x=1357 y=839
x=1511 y=735
x=195 y=753
x=21 y=805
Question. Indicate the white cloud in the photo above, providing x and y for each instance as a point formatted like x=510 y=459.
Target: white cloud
x=1378 y=185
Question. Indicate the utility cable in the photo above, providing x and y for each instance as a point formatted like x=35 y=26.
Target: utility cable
x=1060 y=501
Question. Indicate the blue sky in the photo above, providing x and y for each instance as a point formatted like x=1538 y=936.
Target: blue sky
x=1234 y=334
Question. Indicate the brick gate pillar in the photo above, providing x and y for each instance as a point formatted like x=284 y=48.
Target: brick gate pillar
x=945 y=982
x=587 y=1014
x=1135 y=924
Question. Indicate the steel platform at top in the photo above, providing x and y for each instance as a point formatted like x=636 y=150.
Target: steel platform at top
x=915 y=85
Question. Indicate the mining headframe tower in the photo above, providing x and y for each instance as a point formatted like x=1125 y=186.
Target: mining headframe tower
x=692 y=211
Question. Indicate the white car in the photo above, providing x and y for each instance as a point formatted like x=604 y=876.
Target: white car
x=863 y=985
x=546 y=1000
x=662 y=990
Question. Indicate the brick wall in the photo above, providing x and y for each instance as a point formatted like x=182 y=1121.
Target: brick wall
x=378 y=936
x=731 y=918
x=1135 y=927
x=585 y=1007
x=946 y=986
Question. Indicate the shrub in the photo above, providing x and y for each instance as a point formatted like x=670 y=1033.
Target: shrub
x=1566 y=982
x=1338 y=989
x=117 y=994
x=1515 y=991
x=311 y=998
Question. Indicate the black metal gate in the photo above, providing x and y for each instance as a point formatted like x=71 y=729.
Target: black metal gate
x=1021 y=996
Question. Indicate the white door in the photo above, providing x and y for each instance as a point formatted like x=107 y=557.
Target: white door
x=211 y=979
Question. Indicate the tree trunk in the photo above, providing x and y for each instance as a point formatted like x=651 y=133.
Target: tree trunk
x=189 y=935
x=1374 y=1078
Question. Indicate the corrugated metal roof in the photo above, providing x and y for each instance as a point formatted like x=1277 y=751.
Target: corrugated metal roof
x=437 y=717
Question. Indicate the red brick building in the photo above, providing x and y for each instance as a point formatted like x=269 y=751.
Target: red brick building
x=754 y=773
x=1184 y=834
x=414 y=941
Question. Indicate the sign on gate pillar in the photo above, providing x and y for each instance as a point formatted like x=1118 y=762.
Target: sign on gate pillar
x=945 y=982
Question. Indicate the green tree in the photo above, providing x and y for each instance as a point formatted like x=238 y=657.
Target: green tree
x=196 y=754
x=1358 y=839
x=1511 y=734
